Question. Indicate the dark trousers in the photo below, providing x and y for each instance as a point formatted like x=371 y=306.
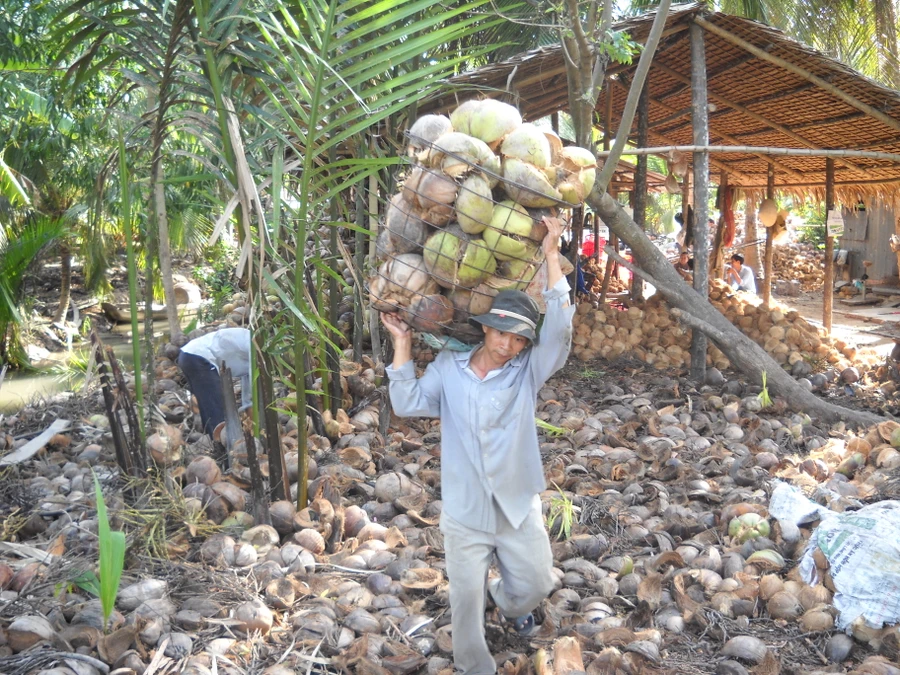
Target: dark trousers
x=203 y=380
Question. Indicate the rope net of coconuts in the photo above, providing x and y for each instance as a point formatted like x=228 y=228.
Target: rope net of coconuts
x=467 y=220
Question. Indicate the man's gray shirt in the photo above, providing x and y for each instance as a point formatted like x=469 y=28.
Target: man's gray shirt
x=489 y=445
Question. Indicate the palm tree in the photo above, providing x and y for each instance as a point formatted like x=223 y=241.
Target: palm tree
x=51 y=147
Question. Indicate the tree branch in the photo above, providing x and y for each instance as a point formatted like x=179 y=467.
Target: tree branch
x=640 y=74
x=646 y=276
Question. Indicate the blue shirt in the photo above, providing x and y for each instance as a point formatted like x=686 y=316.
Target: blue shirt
x=489 y=444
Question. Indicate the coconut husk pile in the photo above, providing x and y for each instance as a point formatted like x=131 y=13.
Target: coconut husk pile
x=801 y=262
x=466 y=222
x=662 y=542
x=596 y=270
x=651 y=334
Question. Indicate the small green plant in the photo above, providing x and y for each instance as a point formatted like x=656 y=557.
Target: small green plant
x=550 y=429
x=591 y=374
x=112 y=558
x=763 y=396
x=561 y=515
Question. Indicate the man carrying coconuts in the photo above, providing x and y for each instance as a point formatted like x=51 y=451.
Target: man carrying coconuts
x=491 y=472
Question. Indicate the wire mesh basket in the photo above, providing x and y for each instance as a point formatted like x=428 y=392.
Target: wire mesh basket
x=453 y=236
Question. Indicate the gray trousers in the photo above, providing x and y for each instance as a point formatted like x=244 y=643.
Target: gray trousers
x=525 y=562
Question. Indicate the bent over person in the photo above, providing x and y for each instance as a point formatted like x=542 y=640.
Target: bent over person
x=491 y=470
x=199 y=361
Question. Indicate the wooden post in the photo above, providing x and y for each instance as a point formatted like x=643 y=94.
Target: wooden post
x=829 y=247
x=717 y=261
x=613 y=240
x=700 y=123
x=751 y=252
x=770 y=252
x=639 y=201
x=685 y=211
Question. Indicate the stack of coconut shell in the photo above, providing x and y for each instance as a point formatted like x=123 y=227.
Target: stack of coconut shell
x=594 y=268
x=650 y=333
x=466 y=222
x=801 y=262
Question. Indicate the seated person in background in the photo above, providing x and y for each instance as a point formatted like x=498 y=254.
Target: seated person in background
x=739 y=275
x=683 y=265
x=199 y=361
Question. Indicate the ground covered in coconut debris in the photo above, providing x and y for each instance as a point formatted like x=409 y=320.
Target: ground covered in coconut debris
x=650 y=581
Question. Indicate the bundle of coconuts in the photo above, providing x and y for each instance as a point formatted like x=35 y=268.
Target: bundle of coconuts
x=466 y=222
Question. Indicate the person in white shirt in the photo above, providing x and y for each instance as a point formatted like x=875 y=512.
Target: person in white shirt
x=199 y=361
x=739 y=275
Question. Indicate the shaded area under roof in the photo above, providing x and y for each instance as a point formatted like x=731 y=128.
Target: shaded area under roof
x=753 y=102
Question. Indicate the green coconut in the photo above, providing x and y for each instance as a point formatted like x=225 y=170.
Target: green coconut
x=490 y=120
x=509 y=232
x=530 y=144
x=528 y=184
x=513 y=275
x=475 y=204
x=748 y=526
x=454 y=258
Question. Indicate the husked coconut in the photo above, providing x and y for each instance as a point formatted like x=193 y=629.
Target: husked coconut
x=529 y=144
x=406 y=231
x=488 y=120
x=432 y=193
x=471 y=302
x=458 y=154
x=425 y=131
x=526 y=184
x=399 y=281
x=430 y=313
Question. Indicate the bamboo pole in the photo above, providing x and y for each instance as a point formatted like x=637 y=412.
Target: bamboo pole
x=828 y=299
x=800 y=72
x=751 y=114
x=607 y=132
x=767 y=262
x=700 y=124
x=761 y=150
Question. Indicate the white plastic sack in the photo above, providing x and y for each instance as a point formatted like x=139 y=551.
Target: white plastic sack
x=863 y=551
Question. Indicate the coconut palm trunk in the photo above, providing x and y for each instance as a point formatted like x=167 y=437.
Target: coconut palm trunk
x=65 y=281
x=177 y=34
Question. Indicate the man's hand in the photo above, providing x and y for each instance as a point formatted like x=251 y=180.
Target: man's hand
x=396 y=326
x=550 y=246
x=554 y=232
x=401 y=336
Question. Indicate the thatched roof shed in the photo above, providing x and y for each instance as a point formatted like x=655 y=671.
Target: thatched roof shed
x=765 y=90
